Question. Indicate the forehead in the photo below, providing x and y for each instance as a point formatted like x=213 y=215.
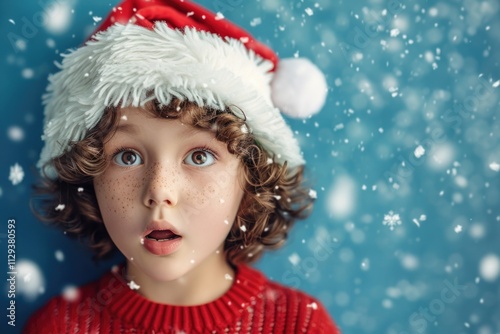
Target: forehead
x=134 y=119
x=187 y=112
x=138 y=124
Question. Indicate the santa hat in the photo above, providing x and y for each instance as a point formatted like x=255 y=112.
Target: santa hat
x=177 y=49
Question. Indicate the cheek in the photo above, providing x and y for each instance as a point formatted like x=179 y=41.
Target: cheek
x=230 y=194
x=199 y=195
x=117 y=197
x=216 y=204
x=222 y=188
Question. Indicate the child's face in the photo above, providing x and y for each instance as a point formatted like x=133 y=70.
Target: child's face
x=164 y=175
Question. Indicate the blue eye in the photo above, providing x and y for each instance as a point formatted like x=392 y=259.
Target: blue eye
x=127 y=158
x=200 y=158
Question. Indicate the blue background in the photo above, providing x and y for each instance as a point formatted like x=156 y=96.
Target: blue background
x=425 y=75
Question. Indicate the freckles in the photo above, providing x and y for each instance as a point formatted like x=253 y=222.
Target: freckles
x=129 y=194
x=216 y=191
x=120 y=194
x=158 y=179
x=195 y=197
x=210 y=190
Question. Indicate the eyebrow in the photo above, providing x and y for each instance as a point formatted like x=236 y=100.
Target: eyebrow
x=127 y=127
x=191 y=130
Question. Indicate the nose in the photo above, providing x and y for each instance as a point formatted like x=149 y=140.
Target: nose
x=161 y=186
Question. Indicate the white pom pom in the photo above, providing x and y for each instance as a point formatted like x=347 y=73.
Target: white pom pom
x=298 y=88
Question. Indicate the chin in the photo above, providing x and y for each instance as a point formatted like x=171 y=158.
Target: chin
x=164 y=270
x=167 y=275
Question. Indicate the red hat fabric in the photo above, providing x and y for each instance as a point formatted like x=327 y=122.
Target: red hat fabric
x=179 y=14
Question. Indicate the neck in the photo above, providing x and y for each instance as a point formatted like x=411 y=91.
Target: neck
x=201 y=285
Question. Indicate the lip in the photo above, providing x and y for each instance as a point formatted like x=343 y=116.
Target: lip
x=164 y=247
x=160 y=225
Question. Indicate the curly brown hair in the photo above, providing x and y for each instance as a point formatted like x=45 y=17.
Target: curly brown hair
x=274 y=195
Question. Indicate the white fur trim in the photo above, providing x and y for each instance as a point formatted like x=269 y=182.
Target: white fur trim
x=125 y=62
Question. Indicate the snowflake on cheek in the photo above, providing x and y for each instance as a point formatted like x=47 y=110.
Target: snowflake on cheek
x=16 y=174
x=391 y=219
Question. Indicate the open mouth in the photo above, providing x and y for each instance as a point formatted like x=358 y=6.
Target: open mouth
x=162 y=235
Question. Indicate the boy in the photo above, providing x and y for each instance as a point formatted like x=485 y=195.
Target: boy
x=162 y=140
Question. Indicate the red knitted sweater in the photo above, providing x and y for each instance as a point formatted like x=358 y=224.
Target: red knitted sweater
x=253 y=304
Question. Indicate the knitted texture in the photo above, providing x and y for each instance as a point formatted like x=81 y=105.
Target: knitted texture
x=252 y=305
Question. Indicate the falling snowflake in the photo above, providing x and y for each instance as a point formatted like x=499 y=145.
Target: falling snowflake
x=255 y=21
x=392 y=219
x=419 y=151
x=133 y=286
x=16 y=174
x=228 y=277
x=294 y=259
x=70 y=293
x=313 y=194
x=494 y=166
x=458 y=228
x=219 y=16
x=420 y=219
x=395 y=32
x=50 y=43
x=365 y=264
x=59 y=255
x=27 y=73
x=15 y=133
x=313 y=305
x=60 y=207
